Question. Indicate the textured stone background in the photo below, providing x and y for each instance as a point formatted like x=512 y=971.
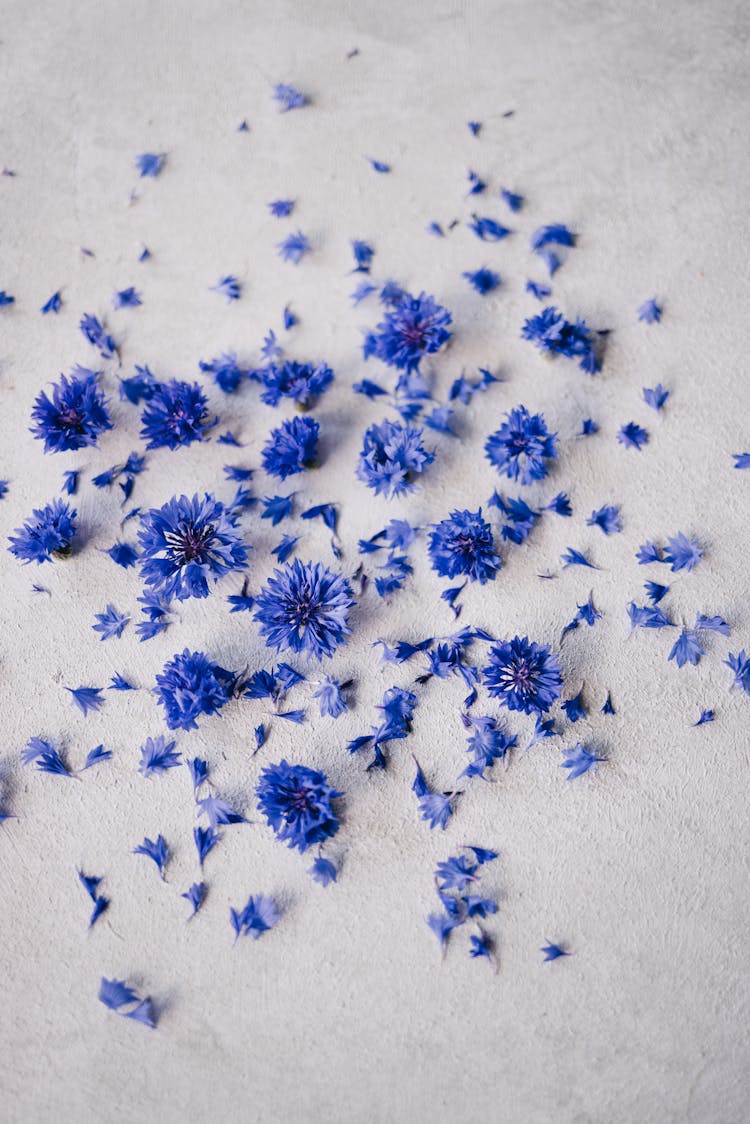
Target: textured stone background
x=631 y=125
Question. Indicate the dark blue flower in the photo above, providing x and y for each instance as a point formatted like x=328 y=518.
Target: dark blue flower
x=555 y=234
x=554 y=335
x=741 y=460
x=288 y=97
x=281 y=208
x=487 y=229
x=298 y=804
x=150 y=163
x=607 y=518
x=392 y=455
x=6 y=299
x=520 y=447
x=48 y=533
x=323 y=871
x=523 y=675
x=176 y=414
x=190 y=685
x=97 y=335
x=415 y=327
x=110 y=623
x=186 y=543
x=229 y=287
x=304 y=608
x=157 y=756
x=330 y=699
x=649 y=312
x=294 y=247
x=54 y=304
x=291 y=448
x=574 y=708
x=683 y=553
x=655 y=396
x=578 y=761
x=463 y=544
x=226 y=371
x=740 y=665
x=514 y=201
x=363 y=255
x=156 y=850
x=75 y=415
x=259 y=915
x=302 y=382
x=633 y=436
x=484 y=280
x=686 y=648
x=127 y=298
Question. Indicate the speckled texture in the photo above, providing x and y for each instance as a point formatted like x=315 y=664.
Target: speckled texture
x=630 y=124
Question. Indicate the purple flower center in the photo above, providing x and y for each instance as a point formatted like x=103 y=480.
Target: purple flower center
x=71 y=418
x=192 y=543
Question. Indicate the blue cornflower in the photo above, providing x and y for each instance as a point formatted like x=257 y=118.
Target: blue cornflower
x=415 y=327
x=75 y=415
x=607 y=518
x=229 y=287
x=486 y=744
x=259 y=915
x=6 y=299
x=740 y=665
x=578 y=760
x=330 y=698
x=288 y=97
x=281 y=208
x=686 y=648
x=555 y=234
x=187 y=542
x=649 y=312
x=538 y=290
x=484 y=280
x=633 y=436
x=476 y=184
x=150 y=163
x=190 y=685
x=514 y=202
x=157 y=756
x=127 y=298
x=294 y=247
x=304 y=608
x=742 y=460
x=554 y=335
x=298 y=804
x=226 y=371
x=291 y=448
x=521 y=445
x=302 y=382
x=683 y=553
x=574 y=708
x=97 y=335
x=363 y=255
x=110 y=623
x=523 y=675
x=392 y=455
x=463 y=544
x=655 y=396
x=46 y=534
x=487 y=229
x=54 y=304
x=176 y=414
x=323 y=871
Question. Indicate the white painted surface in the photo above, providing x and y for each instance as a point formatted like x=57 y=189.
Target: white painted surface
x=630 y=124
